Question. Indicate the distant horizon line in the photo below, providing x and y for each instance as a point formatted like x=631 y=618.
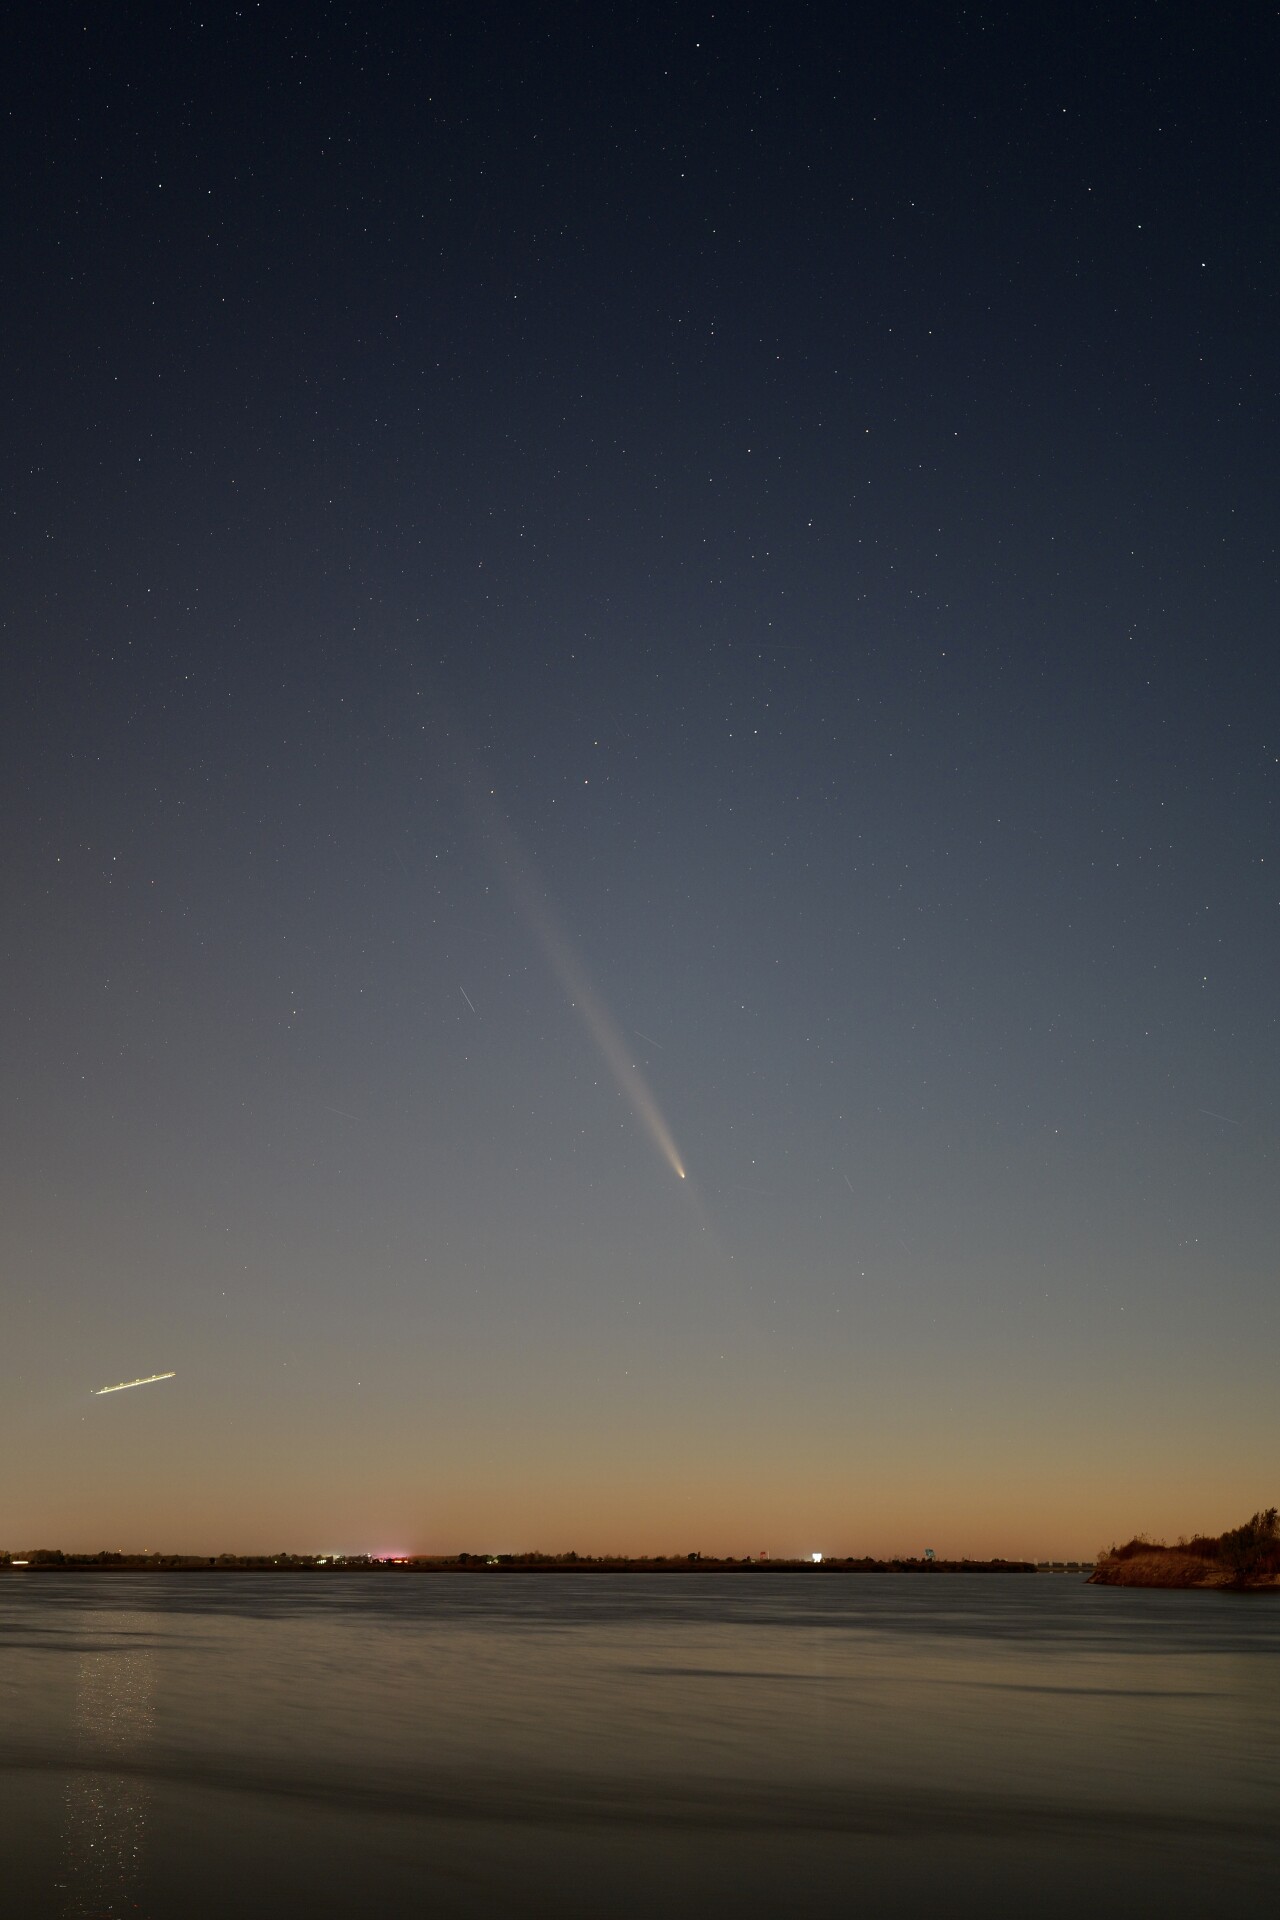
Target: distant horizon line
x=532 y=1558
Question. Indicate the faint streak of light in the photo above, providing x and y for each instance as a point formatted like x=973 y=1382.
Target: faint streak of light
x=466 y=996
x=848 y=1182
x=581 y=994
x=527 y=892
x=648 y=1040
x=1218 y=1116
x=342 y=1112
x=121 y=1386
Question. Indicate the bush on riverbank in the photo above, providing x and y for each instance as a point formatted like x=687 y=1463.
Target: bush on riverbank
x=1245 y=1556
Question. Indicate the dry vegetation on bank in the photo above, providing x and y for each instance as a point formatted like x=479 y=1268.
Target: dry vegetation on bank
x=1246 y=1559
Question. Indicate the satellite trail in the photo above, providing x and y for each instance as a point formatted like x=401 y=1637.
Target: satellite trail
x=122 y=1385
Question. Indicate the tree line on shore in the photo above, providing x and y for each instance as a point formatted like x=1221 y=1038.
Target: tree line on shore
x=53 y=1559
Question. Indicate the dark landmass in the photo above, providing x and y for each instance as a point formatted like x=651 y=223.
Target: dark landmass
x=54 y=1560
x=1244 y=1560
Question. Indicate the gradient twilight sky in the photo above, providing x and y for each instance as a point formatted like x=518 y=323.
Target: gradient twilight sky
x=584 y=577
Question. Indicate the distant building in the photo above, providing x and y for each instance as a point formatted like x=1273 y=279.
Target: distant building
x=929 y=1554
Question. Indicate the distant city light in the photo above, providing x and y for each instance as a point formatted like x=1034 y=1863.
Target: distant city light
x=816 y=1559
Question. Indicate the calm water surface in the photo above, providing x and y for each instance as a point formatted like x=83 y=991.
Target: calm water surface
x=490 y=1743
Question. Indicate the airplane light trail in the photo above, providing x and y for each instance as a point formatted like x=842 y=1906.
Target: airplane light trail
x=123 y=1385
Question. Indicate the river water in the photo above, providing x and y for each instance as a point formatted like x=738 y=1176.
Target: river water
x=759 y=1743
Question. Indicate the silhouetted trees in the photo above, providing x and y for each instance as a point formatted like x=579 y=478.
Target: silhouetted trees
x=1253 y=1550
x=1245 y=1556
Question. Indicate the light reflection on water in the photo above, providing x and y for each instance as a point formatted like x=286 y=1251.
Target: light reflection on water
x=105 y=1810
x=496 y=1743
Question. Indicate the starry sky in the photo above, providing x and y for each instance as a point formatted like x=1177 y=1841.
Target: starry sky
x=639 y=744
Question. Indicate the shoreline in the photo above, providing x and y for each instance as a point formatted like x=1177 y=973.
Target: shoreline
x=482 y=1563
x=1173 y=1572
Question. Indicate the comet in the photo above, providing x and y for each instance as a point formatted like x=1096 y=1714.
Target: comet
x=122 y=1386
x=576 y=984
x=526 y=890
x=582 y=996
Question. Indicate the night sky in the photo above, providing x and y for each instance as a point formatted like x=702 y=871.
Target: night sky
x=593 y=593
